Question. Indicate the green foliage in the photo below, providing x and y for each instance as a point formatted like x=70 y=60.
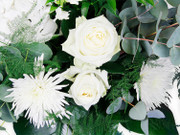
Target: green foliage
x=96 y=124
x=23 y=127
x=131 y=74
x=15 y=64
x=146 y=1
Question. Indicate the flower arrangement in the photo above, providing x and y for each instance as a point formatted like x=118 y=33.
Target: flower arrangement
x=89 y=67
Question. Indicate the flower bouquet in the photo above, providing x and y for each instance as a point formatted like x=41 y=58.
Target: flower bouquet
x=89 y=67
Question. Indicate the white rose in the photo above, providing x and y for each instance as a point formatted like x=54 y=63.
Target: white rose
x=94 y=41
x=88 y=87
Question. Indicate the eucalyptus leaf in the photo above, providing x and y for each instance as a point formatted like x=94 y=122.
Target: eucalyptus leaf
x=128 y=13
x=174 y=3
x=160 y=7
x=160 y=49
x=167 y=33
x=112 y=18
x=138 y=112
x=6 y=113
x=1 y=77
x=147 y=47
x=175 y=55
x=145 y=17
x=145 y=126
x=174 y=39
x=130 y=45
x=4 y=93
x=114 y=106
x=155 y=114
x=178 y=15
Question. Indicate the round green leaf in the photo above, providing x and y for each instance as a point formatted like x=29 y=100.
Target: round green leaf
x=160 y=50
x=174 y=3
x=114 y=106
x=174 y=39
x=138 y=112
x=128 y=45
x=145 y=18
x=145 y=126
x=1 y=77
x=178 y=15
x=6 y=113
x=155 y=114
x=175 y=55
x=4 y=93
x=160 y=7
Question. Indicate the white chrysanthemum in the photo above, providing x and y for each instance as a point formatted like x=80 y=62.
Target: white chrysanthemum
x=61 y=15
x=39 y=96
x=155 y=81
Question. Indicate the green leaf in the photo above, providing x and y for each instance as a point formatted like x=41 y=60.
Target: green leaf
x=150 y=2
x=4 y=93
x=112 y=3
x=174 y=39
x=114 y=106
x=142 y=1
x=113 y=68
x=23 y=127
x=178 y=15
x=155 y=114
x=145 y=17
x=53 y=8
x=14 y=62
x=129 y=45
x=174 y=3
x=85 y=8
x=6 y=113
x=1 y=77
x=49 y=1
x=30 y=51
x=160 y=7
x=167 y=33
x=145 y=126
x=138 y=112
x=175 y=55
x=147 y=47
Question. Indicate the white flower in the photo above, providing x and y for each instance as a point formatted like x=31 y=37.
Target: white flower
x=73 y=1
x=8 y=128
x=94 y=41
x=60 y=14
x=31 y=16
x=88 y=87
x=155 y=82
x=39 y=96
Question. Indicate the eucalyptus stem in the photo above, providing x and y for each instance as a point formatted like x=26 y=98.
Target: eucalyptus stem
x=143 y=39
x=137 y=15
x=154 y=33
